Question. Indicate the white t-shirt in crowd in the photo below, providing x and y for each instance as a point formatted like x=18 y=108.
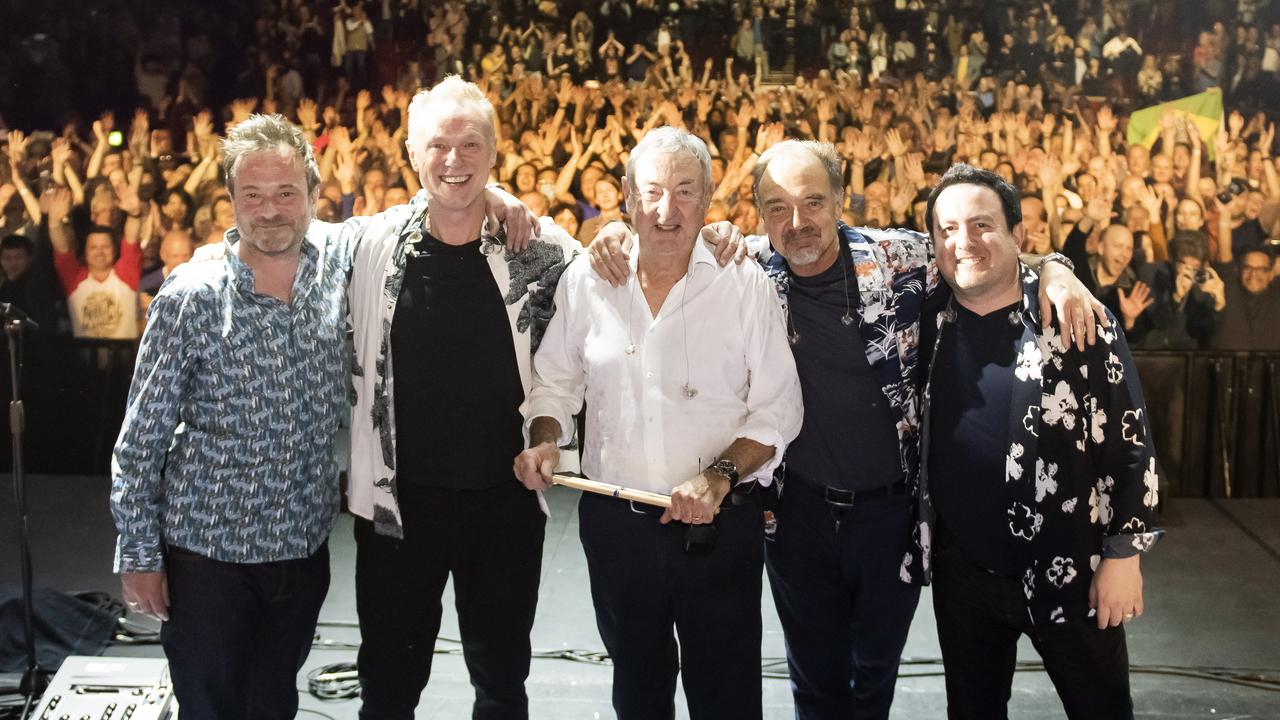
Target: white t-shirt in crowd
x=104 y=309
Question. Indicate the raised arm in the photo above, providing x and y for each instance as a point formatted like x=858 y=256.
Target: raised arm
x=1106 y=125
x=101 y=133
x=17 y=151
x=60 y=237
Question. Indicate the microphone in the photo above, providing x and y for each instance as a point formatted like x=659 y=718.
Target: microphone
x=15 y=315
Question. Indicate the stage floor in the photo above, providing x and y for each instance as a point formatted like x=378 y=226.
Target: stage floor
x=1211 y=601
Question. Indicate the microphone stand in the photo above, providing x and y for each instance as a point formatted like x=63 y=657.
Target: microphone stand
x=35 y=679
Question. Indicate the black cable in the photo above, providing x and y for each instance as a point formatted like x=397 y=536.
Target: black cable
x=336 y=681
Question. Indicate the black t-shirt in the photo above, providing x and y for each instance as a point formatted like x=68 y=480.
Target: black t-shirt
x=972 y=388
x=849 y=438
x=1246 y=237
x=1248 y=322
x=457 y=384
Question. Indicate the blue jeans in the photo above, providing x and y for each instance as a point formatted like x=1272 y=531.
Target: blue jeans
x=238 y=634
x=845 y=612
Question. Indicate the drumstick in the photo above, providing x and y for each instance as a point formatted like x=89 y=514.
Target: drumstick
x=617 y=491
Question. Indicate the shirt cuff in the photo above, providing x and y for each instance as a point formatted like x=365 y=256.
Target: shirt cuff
x=769 y=438
x=137 y=556
x=1118 y=547
x=536 y=410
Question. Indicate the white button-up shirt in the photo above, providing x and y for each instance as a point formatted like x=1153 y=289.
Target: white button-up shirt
x=666 y=395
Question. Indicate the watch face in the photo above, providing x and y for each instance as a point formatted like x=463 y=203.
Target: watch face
x=726 y=468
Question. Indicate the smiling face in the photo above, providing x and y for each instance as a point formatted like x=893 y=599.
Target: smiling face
x=607 y=198
x=1117 y=249
x=976 y=251
x=1188 y=215
x=272 y=205
x=1255 y=272
x=668 y=200
x=526 y=178
x=99 y=253
x=800 y=210
x=1161 y=168
x=452 y=153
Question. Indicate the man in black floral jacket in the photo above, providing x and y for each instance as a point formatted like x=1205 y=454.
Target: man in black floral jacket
x=1039 y=465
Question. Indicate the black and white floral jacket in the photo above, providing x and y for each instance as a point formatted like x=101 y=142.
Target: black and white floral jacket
x=1080 y=473
x=528 y=282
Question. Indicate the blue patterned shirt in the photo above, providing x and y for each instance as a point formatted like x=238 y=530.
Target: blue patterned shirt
x=227 y=444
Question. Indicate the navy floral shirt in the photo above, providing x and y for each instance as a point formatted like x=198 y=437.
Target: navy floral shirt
x=1080 y=471
x=895 y=271
x=227 y=447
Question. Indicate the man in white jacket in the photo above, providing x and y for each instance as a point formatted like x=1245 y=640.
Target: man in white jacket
x=443 y=306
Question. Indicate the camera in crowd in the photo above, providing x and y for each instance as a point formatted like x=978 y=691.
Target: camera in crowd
x=1237 y=187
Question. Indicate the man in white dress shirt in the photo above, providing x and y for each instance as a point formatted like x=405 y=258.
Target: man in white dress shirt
x=691 y=388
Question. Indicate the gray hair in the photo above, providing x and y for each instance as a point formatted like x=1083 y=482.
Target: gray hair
x=823 y=152
x=452 y=89
x=268 y=133
x=667 y=139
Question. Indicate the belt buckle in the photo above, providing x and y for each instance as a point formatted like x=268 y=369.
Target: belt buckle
x=637 y=510
x=838 y=498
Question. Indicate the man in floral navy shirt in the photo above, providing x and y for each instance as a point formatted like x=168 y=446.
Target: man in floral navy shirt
x=1041 y=532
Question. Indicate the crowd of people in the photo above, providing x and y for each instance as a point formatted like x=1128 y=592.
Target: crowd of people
x=99 y=208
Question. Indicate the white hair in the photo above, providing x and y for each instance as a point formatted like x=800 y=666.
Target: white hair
x=458 y=92
x=667 y=139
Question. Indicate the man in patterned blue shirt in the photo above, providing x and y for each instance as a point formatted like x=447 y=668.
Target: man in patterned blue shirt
x=224 y=481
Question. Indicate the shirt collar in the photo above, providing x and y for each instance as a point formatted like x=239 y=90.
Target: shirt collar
x=701 y=254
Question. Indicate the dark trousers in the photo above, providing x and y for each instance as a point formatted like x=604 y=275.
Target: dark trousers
x=980 y=616
x=237 y=634
x=845 y=611
x=644 y=584
x=491 y=541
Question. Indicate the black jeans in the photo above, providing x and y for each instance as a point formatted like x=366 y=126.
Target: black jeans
x=237 y=634
x=845 y=611
x=491 y=540
x=980 y=617
x=646 y=588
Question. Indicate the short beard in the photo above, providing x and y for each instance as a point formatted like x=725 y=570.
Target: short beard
x=807 y=256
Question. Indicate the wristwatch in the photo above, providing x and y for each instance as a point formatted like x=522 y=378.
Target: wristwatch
x=727 y=468
x=1058 y=258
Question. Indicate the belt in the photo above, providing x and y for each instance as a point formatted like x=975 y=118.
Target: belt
x=845 y=499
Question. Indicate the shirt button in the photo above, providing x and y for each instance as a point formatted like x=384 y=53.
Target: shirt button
x=648 y=374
